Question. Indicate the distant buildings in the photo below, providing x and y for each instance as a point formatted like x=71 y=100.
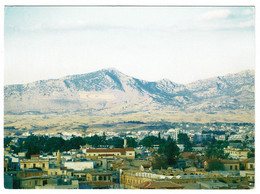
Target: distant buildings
x=236 y=153
x=231 y=165
x=79 y=164
x=112 y=168
x=128 y=153
x=212 y=185
x=34 y=162
x=26 y=179
x=158 y=185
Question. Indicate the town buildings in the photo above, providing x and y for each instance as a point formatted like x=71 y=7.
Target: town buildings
x=133 y=168
x=128 y=153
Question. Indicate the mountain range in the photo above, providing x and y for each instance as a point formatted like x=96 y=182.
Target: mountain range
x=110 y=92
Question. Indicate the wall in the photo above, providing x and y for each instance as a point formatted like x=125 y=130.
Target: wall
x=79 y=165
x=231 y=166
x=43 y=164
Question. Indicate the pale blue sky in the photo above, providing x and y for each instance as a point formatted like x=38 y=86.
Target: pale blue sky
x=182 y=44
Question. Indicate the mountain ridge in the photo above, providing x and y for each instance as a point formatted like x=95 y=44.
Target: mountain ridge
x=109 y=91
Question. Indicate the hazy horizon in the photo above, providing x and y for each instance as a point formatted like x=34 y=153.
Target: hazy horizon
x=182 y=44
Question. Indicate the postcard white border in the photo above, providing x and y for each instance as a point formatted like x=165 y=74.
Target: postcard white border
x=131 y=3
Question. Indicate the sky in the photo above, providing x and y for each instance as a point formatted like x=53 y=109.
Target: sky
x=182 y=44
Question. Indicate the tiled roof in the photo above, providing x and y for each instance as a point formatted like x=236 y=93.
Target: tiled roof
x=249 y=160
x=106 y=154
x=146 y=165
x=100 y=173
x=109 y=150
x=159 y=185
x=101 y=183
x=187 y=154
x=230 y=161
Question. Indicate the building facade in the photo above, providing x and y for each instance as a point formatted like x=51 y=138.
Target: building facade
x=128 y=153
x=34 y=162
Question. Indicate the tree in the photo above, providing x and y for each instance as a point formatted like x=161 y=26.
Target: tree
x=251 y=153
x=149 y=141
x=103 y=140
x=170 y=150
x=216 y=149
x=7 y=140
x=95 y=140
x=117 y=142
x=54 y=144
x=184 y=139
x=131 y=142
x=34 y=144
x=159 y=161
x=32 y=150
x=75 y=142
x=215 y=164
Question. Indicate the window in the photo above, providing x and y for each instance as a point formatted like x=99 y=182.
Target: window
x=251 y=166
x=231 y=167
x=24 y=165
x=100 y=178
x=34 y=165
x=236 y=167
x=35 y=183
x=43 y=165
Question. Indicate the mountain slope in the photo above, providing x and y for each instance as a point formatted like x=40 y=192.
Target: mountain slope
x=109 y=91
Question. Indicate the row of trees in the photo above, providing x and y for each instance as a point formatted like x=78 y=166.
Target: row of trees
x=97 y=141
x=36 y=144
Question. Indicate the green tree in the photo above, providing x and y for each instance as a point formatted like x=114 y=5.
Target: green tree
x=184 y=139
x=149 y=141
x=103 y=140
x=117 y=142
x=131 y=142
x=215 y=164
x=54 y=144
x=75 y=143
x=170 y=150
x=7 y=140
x=34 y=144
x=251 y=153
x=216 y=149
x=159 y=161
x=95 y=140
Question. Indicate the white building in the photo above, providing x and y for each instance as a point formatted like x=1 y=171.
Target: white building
x=181 y=147
x=79 y=165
